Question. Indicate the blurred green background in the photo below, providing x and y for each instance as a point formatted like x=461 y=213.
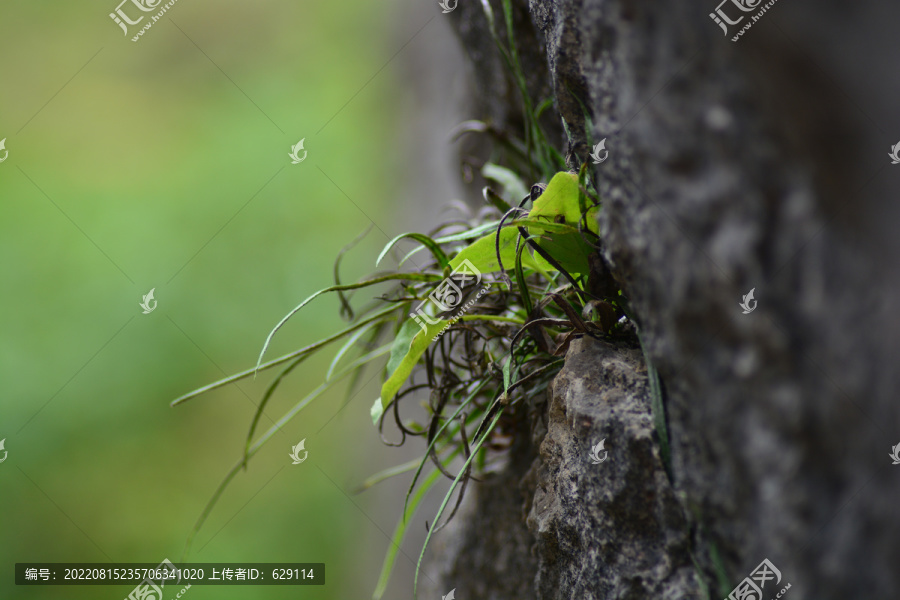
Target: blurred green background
x=164 y=164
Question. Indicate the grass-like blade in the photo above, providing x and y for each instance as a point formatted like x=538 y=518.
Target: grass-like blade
x=283 y=359
x=465 y=236
x=270 y=391
x=400 y=530
x=386 y=474
x=284 y=420
x=468 y=234
x=659 y=412
x=335 y=288
x=346 y=348
x=513 y=189
x=453 y=485
x=277 y=381
x=520 y=280
x=346 y=309
x=423 y=239
x=437 y=436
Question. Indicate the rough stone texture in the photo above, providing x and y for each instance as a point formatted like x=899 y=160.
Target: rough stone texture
x=614 y=529
x=757 y=164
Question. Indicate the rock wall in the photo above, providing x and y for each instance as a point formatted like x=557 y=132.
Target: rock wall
x=754 y=164
x=608 y=526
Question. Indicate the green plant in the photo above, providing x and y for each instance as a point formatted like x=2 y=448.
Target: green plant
x=473 y=365
x=478 y=367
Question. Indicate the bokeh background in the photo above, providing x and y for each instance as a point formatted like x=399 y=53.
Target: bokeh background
x=164 y=164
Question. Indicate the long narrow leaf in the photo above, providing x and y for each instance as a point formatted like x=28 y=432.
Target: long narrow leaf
x=520 y=281
x=385 y=474
x=346 y=348
x=282 y=359
x=414 y=351
x=274 y=385
x=346 y=309
x=456 y=237
x=423 y=239
x=453 y=485
x=400 y=530
x=278 y=426
x=265 y=401
x=437 y=436
x=335 y=288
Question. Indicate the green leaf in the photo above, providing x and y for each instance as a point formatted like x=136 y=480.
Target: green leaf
x=336 y=288
x=561 y=199
x=520 y=280
x=561 y=204
x=456 y=237
x=270 y=391
x=513 y=190
x=483 y=253
x=412 y=341
x=543 y=226
x=468 y=234
x=348 y=345
x=400 y=529
x=283 y=359
x=275 y=428
x=563 y=242
x=447 y=423
x=376 y=411
x=401 y=345
x=506 y=373
x=423 y=239
x=386 y=474
x=570 y=250
x=473 y=453
x=414 y=350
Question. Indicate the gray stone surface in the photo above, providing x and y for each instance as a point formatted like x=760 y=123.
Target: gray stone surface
x=757 y=164
x=613 y=529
